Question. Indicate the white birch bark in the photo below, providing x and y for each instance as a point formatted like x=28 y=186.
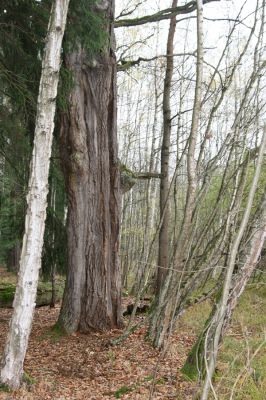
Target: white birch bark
x=30 y=261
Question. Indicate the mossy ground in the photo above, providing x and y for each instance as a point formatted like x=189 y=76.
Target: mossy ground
x=8 y=287
x=7 y=292
x=55 y=333
x=242 y=356
x=66 y=365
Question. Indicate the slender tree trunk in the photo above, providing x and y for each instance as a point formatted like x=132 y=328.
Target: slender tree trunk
x=194 y=367
x=53 y=259
x=249 y=261
x=162 y=318
x=213 y=334
x=92 y=298
x=30 y=262
x=165 y=151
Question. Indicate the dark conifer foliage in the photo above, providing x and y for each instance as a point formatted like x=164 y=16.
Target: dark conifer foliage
x=23 y=25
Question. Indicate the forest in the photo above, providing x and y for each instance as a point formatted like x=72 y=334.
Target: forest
x=132 y=199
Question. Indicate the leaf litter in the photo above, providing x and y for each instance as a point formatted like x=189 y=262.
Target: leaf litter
x=88 y=367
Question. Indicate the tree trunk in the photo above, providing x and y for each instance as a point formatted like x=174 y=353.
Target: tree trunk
x=92 y=298
x=213 y=334
x=248 y=260
x=162 y=319
x=165 y=152
x=195 y=367
x=30 y=262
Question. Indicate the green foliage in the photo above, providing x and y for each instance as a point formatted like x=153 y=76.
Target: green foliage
x=44 y=291
x=148 y=378
x=23 y=25
x=28 y=379
x=245 y=335
x=123 y=390
x=4 y=388
x=189 y=369
x=85 y=27
x=15 y=150
x=7 y=292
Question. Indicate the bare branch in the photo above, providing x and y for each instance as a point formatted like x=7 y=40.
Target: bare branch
x=167 y=13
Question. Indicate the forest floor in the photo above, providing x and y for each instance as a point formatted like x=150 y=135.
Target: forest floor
x=89 y=367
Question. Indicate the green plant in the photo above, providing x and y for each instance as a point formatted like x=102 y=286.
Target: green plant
x=28 y=379
x=123 y=390
x=4 y=388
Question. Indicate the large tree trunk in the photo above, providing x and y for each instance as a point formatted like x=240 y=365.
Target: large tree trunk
x=30 y=262
x=92 y=298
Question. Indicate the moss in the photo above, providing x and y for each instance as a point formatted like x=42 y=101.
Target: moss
x=44 y=292
x=194 y=367
x=127 y=178
x=28 y=379
x=7 y=292
x=55 y=333
x=4 y=388
x=190 y=369
x=160 y=381
x=148 y=378
x=123 y=390
x=58 y=329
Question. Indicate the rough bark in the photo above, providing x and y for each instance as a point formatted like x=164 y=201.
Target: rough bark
x=30 y=262
x=92 y=298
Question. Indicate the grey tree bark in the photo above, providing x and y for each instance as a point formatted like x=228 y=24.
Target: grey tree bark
x=92 y=298
x=164 y=312
x=30 y=261
x=163 y=258
x=248 y=260
x=213 y=335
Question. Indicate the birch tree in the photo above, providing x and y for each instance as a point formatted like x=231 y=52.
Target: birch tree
x=30 y=261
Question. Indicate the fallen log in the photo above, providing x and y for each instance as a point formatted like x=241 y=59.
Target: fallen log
x=44 y=294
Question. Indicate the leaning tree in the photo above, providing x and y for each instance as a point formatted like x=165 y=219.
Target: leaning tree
x=30 y=262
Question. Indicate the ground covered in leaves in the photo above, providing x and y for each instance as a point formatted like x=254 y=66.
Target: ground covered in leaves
x=89 y=367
